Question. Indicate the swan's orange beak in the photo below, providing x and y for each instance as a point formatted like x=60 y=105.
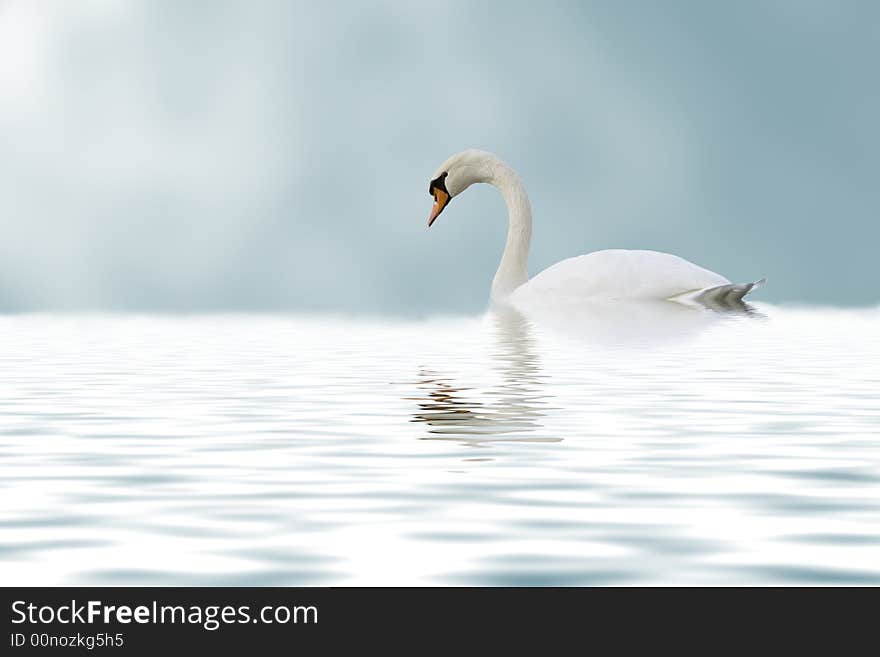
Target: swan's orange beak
x=441 y=200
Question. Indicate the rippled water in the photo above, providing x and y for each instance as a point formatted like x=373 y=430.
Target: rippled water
x=616 y=445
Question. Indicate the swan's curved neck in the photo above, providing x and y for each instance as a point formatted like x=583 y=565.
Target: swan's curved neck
x=513 y=270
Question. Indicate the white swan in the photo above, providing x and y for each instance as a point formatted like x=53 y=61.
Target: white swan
x=601 y=275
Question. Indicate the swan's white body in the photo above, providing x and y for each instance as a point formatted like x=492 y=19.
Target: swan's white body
x=619 y=274
x=614 y=274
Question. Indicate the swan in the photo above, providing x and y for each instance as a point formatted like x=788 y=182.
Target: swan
x=613 y=274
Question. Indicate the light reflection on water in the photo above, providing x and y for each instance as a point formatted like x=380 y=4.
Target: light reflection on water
x=621 y=444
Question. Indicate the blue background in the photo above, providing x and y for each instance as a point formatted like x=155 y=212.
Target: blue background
x=275 y=156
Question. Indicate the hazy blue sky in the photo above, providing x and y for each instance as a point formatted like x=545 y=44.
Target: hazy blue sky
x=275 y=155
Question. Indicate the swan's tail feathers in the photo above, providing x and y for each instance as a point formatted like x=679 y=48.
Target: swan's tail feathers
x=722 y=297
x=732 y=292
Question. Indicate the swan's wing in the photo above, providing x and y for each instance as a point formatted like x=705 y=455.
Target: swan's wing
x=619 y=274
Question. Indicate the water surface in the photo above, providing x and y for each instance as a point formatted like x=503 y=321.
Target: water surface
x=615 y=445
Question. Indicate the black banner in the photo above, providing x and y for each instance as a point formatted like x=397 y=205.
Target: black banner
x=173 y=620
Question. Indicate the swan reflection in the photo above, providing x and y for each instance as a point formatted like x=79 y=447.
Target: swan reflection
x=518 y=402
x=627 y=323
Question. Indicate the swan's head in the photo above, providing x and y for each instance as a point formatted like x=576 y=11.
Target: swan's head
x=457 y=174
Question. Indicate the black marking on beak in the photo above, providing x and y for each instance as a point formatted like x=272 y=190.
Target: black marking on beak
x=439 y=183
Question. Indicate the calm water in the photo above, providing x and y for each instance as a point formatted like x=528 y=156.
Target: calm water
x=617 y=445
